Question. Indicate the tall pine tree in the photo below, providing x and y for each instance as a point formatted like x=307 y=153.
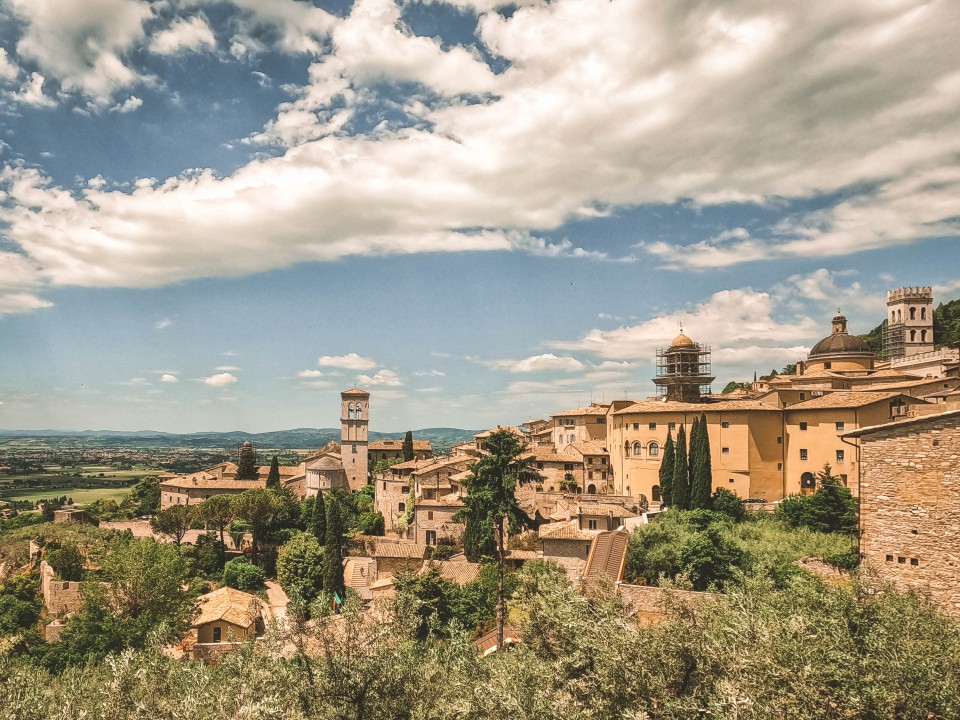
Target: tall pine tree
x=408 y=446
x=666 y=471
x=679 y=483
x=701 y=484
x=318 y=522
x=273 y=477
x=333 y=549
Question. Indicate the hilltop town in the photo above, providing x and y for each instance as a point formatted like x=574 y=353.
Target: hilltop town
x=848 y=459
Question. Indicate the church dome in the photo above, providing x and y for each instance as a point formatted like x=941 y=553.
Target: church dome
x=840 y=342
x=682 y=340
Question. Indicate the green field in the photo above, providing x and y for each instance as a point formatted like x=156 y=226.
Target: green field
x=79 y=495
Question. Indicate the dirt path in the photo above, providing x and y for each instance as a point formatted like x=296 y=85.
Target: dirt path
x=277 y=600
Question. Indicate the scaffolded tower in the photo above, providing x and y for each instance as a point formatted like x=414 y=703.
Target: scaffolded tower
x=683 y=370
x=908 y=329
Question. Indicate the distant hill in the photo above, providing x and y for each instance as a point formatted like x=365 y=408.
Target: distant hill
x=946 y=327
x=442 y=439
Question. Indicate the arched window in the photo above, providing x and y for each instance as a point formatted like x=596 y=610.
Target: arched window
x=923 y=313
x=626 y=448
x=893 y=316
x=913 y=336
x=655 y=491
x=349 y=411
x=808 y=482
x=592 y=489
x=923 y=336
x=899 y=315
x=637 y=447
x=653 y=449
x=913 y=313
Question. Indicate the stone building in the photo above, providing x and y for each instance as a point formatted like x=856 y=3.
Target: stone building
x=910 y=504
x=393 y=450
x=433 y=520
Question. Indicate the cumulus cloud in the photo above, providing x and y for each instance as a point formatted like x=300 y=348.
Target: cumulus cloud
x=129 y=105
x=715 y=109
x=168 y=378
x=83 y=45
x=184 y=35
x=547 y=362
x=351 y=361
x=383 y=378
x=8 y=68
x=20 y=278
x=163 y=324
x=728 y=318
x=220 y=380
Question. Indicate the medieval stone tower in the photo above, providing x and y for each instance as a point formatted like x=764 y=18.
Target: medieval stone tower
x=909 y=328
x=354 y=419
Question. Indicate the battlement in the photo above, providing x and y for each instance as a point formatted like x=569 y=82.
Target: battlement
x=924 y=292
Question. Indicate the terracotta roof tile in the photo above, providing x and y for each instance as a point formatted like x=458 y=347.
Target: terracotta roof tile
x=229 y=605
x=849 y=399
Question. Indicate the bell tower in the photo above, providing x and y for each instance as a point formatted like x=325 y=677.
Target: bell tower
x=909 y=328
x=354 y=419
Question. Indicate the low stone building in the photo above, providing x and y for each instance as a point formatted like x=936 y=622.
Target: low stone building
x=910 y=503
x=225 y=619
x=393 y=450
x=73 y=515
x=433 y=520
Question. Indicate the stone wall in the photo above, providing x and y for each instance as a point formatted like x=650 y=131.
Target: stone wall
x=60 y=597
x=910 y=506
x=566 y=548
x=650 y=603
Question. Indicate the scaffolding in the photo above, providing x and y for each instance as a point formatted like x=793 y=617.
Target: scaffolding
x=683 y=372
x=892 y=341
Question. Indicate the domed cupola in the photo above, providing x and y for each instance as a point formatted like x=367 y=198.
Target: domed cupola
x=840 y=350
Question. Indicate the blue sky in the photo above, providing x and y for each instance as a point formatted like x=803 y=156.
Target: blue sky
x=216 y=215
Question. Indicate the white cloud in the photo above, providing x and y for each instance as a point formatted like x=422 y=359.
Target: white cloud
x=429 y=373
x=729 y=318
x=351 y=361
x=31 y=93
x=220 y=380
x=168 y=378
x=384 y=378
x=184 y=35
x=548 y=362
x=8 y=68
x=163 y=324
x=20 y=278
x=129 y=105
x=713 y=108
x=227 y=368
x=83 y=45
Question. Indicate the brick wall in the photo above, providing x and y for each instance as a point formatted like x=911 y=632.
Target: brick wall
x=910 y=507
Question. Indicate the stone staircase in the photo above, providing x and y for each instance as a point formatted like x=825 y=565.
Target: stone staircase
x=608 y=557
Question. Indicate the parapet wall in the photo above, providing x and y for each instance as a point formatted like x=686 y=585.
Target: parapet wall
x=60 y=597
x=651 y=603
x=922 y=292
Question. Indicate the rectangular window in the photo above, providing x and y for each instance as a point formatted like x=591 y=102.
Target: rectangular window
x=914 y=562
x=779 y=466
x=401 y=507
x=636 y=426
x=431 y=537
x=603 y=461
x=589 y=461
x=803 y=426
x=603 y=475
x=725 y=424
x=803 y=453
x=586 y=550
x=429 y=514
x=779 y=440
x=653 y=426
x=601 y=421
x=889 y=558
x=590 y=475
x=591 y=524
x=384 y=485
x=568 y=466
x=725 y=451
x=404 y=489
x=839 y=456
x=354 y=447
x=540 y=466
x=672 y=426
x=217 y=634
x=840 y=426
x=803 y=396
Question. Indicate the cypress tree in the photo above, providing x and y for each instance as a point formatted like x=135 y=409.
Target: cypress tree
x=273 y=478
x=679 y=484
x=408 y=446
x=666 y=470
x=318 y=523
x=247 y=463
x=333 y=549
x=701 y=487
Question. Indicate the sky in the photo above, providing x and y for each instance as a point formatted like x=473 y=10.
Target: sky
x=218 y=214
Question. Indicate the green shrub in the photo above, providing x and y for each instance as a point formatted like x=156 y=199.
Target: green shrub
x=300 y=567
x=240 y=574
x=727 y=503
